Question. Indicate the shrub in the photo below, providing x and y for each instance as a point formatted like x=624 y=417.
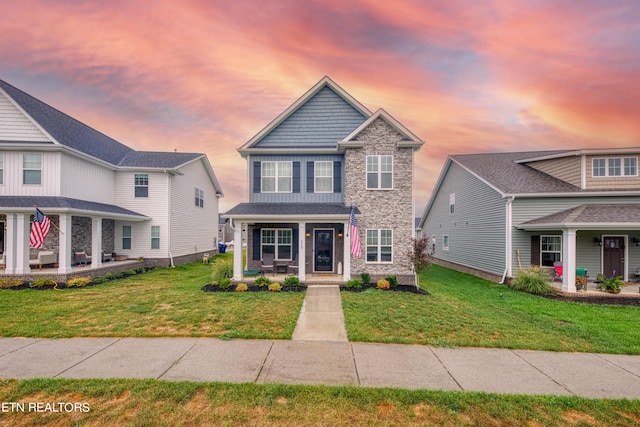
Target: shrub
x=262 y=281
x=214 y=283
x=242 y=287
x=291 y=281
x=45 y=281
x=222 y=269
x=366 y=278
x=354 y=284
x=8 y=283
x=275 y=287
x=128 y=273
x=612 y=285
x=533 y=280
x=393 y=281
x=78 y=282
x=421 y=254
x=99 y=280
x=383 y=284
x=224 y=283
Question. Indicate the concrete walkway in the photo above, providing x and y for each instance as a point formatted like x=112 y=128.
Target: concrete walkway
x=324 y=362
x=321 y=317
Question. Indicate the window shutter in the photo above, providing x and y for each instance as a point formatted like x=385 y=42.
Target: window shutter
x=256 y=244
x=310 y=177
x=296 y=177
x=294 y=242
x=256 y=177
x=535 y=250
x=337 y=176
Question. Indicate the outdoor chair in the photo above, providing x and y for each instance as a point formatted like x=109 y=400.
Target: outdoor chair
x=294 y=266
x=557 y=270
x=267 y=263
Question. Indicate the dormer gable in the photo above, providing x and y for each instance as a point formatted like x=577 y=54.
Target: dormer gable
x=402 y=136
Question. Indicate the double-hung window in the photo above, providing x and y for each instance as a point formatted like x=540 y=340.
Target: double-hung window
x=126 y=237
x=155 y=237
x=379 y=245
x=550 y=250
x=452 y=203
x=32 y=168
x=615 y=166
x=1 y=168
x=277 y=241
x=323 y=177
x=199 y=197
x=379 y=172
x=276 y=177
x=141 y=185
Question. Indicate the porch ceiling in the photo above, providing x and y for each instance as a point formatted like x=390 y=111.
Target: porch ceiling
x=56 y=205
x=589 y=216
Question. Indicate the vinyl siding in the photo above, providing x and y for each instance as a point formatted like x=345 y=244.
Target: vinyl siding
x=86 y=180
x=476 y=229
x=606 y=182
x=303 y=196
x=565 y=168
x=15 y=126
x=49 y=175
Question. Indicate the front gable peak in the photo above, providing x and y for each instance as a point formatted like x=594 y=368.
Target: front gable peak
x=407 y=138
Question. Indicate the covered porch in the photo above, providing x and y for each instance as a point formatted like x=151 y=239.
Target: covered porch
x=603 y=239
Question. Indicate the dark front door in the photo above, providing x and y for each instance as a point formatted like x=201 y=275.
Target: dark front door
x=613 y=256
x=323 y=259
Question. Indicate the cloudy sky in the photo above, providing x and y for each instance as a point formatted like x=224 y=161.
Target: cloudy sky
x=465 y=75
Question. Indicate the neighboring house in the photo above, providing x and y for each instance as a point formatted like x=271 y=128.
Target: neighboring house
x=103 y=195
x=322 y=156
x=492 y=213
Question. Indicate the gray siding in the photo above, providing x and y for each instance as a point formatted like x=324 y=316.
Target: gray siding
x=322 y=121
x=476 y=229
x=303 y=196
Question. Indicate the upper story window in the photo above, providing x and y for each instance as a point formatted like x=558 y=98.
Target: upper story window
x=276 y=177
x=1 y=168
x=141 y=184
x=324 y=177
x=379 y=172
x=199 y=197
x=615 y=166
x=452 y=203
x=32 y=168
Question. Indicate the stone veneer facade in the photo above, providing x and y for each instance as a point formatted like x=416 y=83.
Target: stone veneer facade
x=382 y=209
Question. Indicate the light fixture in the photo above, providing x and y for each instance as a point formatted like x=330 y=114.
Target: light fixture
x=597 y=241
x=635 y=241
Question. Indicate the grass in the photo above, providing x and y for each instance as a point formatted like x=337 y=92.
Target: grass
x=466 y=311
x=157 y=403
x=162 y=302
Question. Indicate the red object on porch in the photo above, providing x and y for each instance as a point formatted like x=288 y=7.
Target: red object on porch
x=557 y=266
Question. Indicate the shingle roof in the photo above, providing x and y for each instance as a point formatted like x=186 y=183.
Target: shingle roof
x=53 y=202
x=66 y=130
x=591 y=214
x=157 y=159
x=258 y=209
x=501 y=171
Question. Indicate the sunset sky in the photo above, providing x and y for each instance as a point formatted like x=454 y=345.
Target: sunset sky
x=205 y=76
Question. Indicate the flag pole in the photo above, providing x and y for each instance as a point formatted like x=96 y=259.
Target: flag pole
x=52 y=223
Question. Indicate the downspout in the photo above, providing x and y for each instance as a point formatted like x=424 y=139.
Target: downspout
x=508 y=239
x=169 y=218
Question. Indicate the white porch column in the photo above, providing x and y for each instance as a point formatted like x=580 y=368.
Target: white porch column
x=346 y=272
x=23 y=230
x=302 y=254
x=64 y=249
x=96 y=242
x=10 y=244
x=569 y=260
x=238 y=268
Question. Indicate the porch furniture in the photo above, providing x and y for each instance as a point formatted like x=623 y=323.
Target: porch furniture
x=282 y=268
x=267 y=263
x=107 y=256
x=44 y=258
x=251 y=272
x=637 y=274
x=2 y=262
x=557 y=270
x=81 y=258
x=294 y=266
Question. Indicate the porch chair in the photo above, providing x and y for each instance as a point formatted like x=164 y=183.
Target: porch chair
x=267 y=263
x=294 y=266
x=557 y=270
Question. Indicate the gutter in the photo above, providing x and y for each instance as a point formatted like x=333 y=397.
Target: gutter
x=508 y=238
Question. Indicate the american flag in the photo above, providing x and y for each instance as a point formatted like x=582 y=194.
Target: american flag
x=39 y=229
x=355 y=236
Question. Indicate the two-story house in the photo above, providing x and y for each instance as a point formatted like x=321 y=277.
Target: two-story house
x=101 y=195
x=493 y=213
x=322 y=158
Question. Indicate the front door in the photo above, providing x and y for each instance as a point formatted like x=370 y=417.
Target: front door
x=323 y=246
x=613 y=256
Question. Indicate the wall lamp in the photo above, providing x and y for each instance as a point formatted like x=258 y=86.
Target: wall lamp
x=635 y=241
x=597 y=241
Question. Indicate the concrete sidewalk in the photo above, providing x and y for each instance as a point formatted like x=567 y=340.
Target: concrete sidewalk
x=321 y=317
x=324 y=362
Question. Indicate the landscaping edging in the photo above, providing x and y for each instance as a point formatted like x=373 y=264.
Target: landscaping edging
x=251 y=288
x=591 y=298
x=399 y=288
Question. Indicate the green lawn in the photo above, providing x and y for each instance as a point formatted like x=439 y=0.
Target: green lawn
x=162 y=302
x=466 y=311
x=158 y=403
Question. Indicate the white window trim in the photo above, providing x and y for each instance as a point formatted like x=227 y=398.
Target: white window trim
x=156 y=227
x=452 y=203
x=136 y=185
x=555 y=236
x=606 y=167
x=24 y=169
x=315 y=176
x=276 y=244
x=445 y=242
x=199 y=198
x=378 y=172
x=130 y=237
x=1 y=168
x=277 y=176
x=378 y=246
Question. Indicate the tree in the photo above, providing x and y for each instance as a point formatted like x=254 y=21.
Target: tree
x=421 y=254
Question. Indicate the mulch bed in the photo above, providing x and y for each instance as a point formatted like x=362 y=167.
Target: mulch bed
x=603 y=299
x=232 y=288
x=399 y=288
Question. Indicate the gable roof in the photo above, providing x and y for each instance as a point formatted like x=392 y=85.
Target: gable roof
x=57 y=204
x=157 y=159
x=324 y=115
x=409 y=139
x=589 y=215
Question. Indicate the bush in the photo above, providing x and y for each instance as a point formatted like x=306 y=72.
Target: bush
x=224 y=283
x=354 y=284
x=262 y=281
x=99 y=280
x=366 y=278
x=78 y=282
x=45 y=281
x=612 y=285
x=242 y=287
x=222 y=269
x=383 y=284
x=275 y=287
x=8 y=283
x=393 y=281
x=533 y=280
x=291 y=281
